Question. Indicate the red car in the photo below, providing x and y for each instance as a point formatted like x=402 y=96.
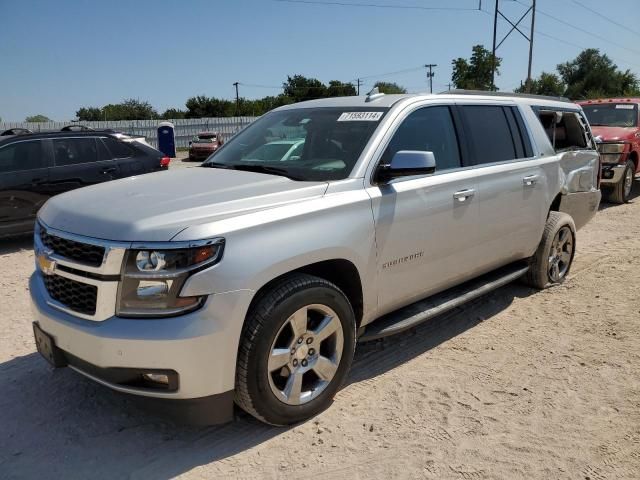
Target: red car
x=203 y=145
x=615 y=123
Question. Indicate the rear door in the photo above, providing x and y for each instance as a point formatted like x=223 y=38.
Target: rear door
x=512 y=183
x=130 y=161
x=24 y=175
x=80 y=161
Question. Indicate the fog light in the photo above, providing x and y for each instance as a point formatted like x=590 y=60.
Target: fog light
x=156 y=378
x=147 y=289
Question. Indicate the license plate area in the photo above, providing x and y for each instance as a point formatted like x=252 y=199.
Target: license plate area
x=47 y=347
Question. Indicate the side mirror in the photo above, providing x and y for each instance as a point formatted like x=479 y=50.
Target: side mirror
x=406 y=163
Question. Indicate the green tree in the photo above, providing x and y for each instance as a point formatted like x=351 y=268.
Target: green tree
x=301 y=88
x=89 y=114
x=475 y=73
x=172 y=113
x=37 y=118
x=547 y=84
x=339 y=89
x=129 y=109
x=389 y=88
x=592 y=74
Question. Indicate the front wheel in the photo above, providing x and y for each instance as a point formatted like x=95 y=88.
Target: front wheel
x=296 y=348
x=622 y=190
x=552 y=261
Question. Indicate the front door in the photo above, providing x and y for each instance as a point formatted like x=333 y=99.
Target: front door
x=24 y=172
x=425 y=226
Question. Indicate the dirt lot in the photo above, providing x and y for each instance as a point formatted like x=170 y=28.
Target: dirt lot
x=520 y=384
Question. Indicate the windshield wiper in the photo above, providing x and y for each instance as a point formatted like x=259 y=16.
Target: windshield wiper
x=217 y=165
x=254 y=168
x=283 y=172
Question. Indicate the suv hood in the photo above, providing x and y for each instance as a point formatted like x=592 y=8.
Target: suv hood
x=157 y=206
x=612 y=134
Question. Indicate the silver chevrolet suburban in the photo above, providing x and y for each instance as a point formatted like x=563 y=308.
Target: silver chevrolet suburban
x=250 y=280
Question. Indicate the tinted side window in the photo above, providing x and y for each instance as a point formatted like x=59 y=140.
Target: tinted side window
x=489 y=134
x=118 y=149
x=71 y=151
x=21 y=156
x=430 y=129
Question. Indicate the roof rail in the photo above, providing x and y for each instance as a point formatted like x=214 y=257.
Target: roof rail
x=16 y=131
x=76 y=128
x=505 y=94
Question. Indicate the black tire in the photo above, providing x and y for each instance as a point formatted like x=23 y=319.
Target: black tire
x=621 y=191
x=265 y=320
x=538 y=275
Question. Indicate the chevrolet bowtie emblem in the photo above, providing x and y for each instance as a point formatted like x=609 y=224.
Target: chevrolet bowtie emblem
x=47 y=266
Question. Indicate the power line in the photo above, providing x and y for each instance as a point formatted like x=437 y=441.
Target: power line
x=567 y=42
x=583 y=30
x=376 y=5
x=604 y=17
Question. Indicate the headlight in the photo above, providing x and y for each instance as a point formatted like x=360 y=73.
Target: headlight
x=152 y=278
x=612 y=147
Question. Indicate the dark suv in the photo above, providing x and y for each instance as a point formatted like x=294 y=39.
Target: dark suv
x=36 y=166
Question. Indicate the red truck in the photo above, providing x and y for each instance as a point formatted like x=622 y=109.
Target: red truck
x=616 y=126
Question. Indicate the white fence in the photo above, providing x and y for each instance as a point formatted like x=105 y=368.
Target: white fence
x=185 y=129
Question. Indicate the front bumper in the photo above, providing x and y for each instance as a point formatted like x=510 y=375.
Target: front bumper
x=196 y=155
x=612 y=174
x=201 y=346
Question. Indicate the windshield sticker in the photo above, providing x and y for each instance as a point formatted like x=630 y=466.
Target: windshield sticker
x=360 y=117
x=625 y=107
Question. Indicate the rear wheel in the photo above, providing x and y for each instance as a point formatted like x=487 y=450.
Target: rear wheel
x=622 y=190
x=296 y=349
x=552 y=261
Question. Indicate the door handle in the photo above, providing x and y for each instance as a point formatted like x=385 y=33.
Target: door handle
x=463 y=195
x=37 y=181
x=108 y=170
x=530 y=180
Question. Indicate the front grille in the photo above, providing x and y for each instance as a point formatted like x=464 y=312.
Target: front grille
x=76 y=296
x=81 y=252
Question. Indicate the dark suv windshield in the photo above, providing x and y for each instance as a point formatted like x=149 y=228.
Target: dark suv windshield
x=308 y=144
x=612 y=114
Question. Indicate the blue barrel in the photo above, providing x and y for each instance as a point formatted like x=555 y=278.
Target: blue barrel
x=167 y=139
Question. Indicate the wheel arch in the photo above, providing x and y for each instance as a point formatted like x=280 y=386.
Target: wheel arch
x=341 y=272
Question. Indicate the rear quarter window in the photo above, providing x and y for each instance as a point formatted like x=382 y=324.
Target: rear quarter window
x=117 y=148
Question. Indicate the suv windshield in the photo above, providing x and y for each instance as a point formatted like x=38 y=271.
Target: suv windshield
x=308 y=144
x=612 y=114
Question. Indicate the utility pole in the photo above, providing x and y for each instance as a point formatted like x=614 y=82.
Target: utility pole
x=430 y=75
x=359 y=82
x=493 y=51
x=237 y=98
x=533 y=24
x=449 y=86
x=514 y=26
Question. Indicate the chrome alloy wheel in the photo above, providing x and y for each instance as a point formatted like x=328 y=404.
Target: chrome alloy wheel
x=305 y=354
x=628 y=182
x=561 y=254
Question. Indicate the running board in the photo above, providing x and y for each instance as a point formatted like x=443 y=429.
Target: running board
x=423 y=310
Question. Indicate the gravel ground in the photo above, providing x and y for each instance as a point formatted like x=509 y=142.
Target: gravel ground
x=517 y=385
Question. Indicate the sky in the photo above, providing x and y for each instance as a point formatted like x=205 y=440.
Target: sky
x=58 y=56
